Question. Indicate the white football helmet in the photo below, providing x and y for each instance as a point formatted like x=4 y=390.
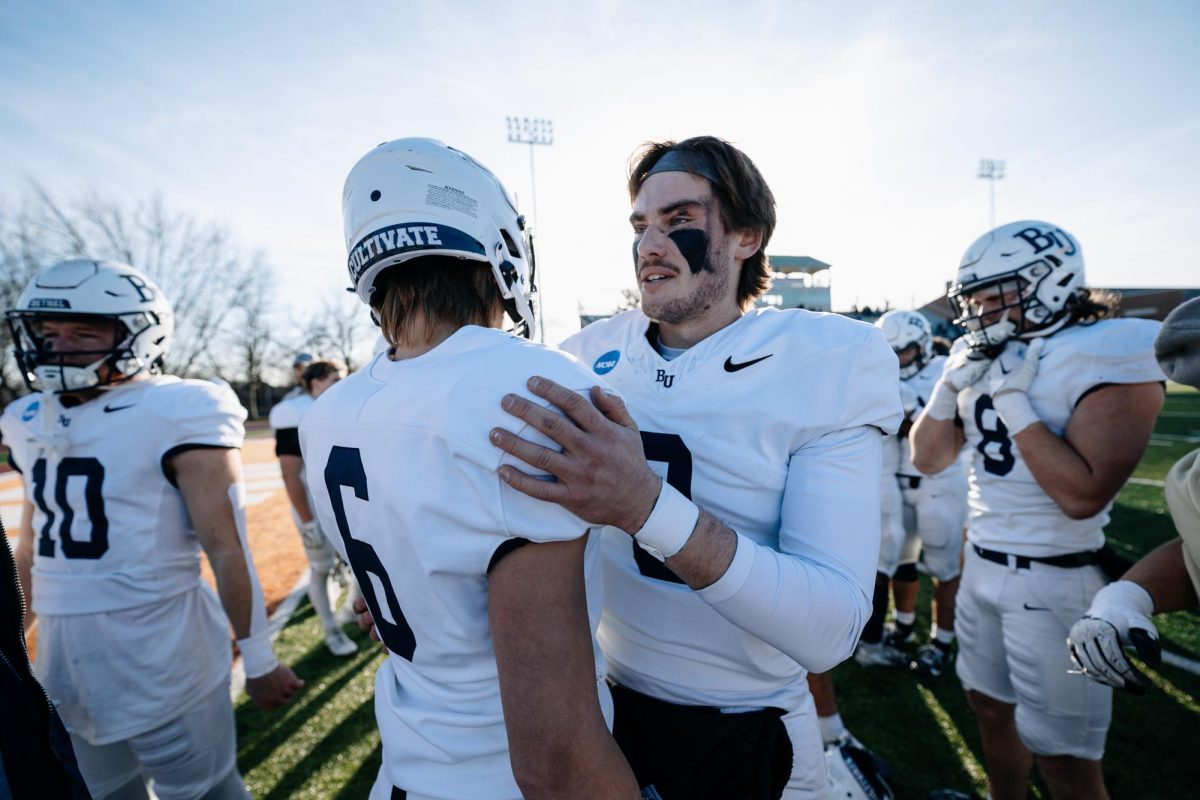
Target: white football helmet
x=82 y=289
x=903 y=329
x=417 y=197
x=1038 y=265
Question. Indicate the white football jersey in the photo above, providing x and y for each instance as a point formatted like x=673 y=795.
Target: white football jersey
x=285 y=415
x=1009 y=511
x=403 y=477
x=129 y=630
x=722 y=423
x=922 y=383
x=288 y=412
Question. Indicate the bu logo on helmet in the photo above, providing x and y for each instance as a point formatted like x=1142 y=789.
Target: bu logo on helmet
x=1043 y=240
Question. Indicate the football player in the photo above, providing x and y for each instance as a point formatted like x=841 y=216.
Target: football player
x=487 y=601
x=1057 y=404
x=299 y=364
x=1168 y=578
x=128 y=474
x=739 y=484
x=934 y=506
x=285 y=417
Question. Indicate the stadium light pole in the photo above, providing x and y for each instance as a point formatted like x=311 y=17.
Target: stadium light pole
x=533 y=132
x=991 y=169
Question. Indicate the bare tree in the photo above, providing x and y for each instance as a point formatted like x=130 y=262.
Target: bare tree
x=339 y=328
x=630 y=298
x=251 y=337
x=198 y=266
x=19 y=262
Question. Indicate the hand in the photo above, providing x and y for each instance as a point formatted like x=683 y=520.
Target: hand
x=275 y=689
x=602 y=475
x=964 y=368
x=1021 y=378
x=908 y=399
x=1115 y=619
x=366 y=622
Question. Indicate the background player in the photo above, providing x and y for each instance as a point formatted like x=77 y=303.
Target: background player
x=128 y=473
x=763 y=428
x=1057 y=405
x=493 y=686
x=1168 y=578
x=285 y=417
x=934 y=506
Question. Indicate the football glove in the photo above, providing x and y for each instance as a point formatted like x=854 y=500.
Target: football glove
x=1119 y=616
x=311 y=533
x=1011 y=397
x=964 y=368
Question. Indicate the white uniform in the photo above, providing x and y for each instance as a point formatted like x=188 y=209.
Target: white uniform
x=891 y=506
x=285 y=417
x=772 y=424
x=935 y=506
x=1012 y=621
x=130 y=636
x=404 y=480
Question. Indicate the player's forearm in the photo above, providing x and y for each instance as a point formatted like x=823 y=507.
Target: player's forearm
x=297 y=495
x=708 y=553
x=291 y=469
x=234 y=588
x=809 y=611
x=24 y=561
x=1163 y=574
x=583 y=763
x=1063 y=474
x=934 y=443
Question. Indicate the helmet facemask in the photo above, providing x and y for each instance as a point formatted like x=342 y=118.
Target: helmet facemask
x=988 y=331
x=78 y=370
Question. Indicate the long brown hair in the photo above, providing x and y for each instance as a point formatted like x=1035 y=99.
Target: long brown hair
x=416 y=297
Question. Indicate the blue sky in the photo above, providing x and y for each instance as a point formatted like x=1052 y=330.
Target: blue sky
x=867 y=120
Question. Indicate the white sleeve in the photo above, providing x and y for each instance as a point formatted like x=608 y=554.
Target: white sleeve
x=811 y=599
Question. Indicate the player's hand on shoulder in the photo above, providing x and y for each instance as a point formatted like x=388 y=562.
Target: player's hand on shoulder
x=1118 y=618
x=964 y=368
x=275 y=689
x=366 y=622
x=601 y=472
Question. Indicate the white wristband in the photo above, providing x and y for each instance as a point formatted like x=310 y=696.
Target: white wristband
x=669 y=525
x=257 y=656
x=1016 y=411
x=943 y=403
x=1122 y=594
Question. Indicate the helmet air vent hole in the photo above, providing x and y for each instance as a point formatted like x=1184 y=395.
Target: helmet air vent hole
x=375 y=195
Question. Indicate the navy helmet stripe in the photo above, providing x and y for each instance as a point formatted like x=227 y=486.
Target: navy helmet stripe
x=395 y=240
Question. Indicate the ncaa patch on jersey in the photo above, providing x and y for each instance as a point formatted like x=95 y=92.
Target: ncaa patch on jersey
x=605 y=363
x=31 y=412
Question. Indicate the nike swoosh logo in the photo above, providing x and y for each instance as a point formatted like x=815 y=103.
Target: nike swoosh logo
x=1035 y=608
x=110 y=409
x=732 y=367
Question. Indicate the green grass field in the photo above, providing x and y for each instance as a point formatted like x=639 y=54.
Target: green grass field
x=325 y=744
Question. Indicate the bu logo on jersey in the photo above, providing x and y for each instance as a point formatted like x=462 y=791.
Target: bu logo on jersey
x=606 y=362
x=662 y=377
